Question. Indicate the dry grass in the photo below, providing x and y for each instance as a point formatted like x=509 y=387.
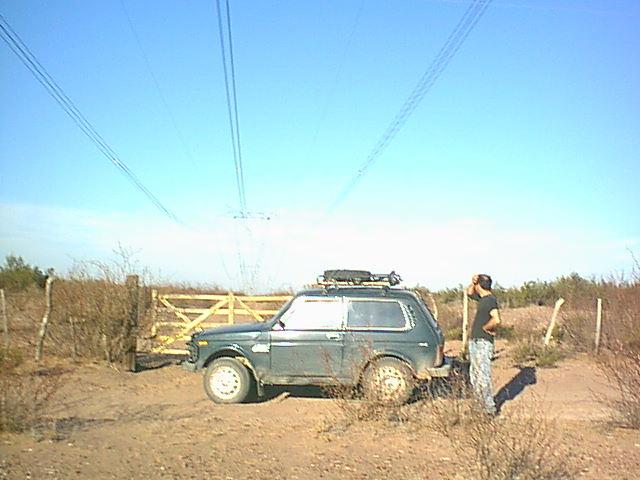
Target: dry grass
x=25 y=393
x=522 y=446
x=622 y=367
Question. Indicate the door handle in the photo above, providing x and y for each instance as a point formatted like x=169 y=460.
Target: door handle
x=334 y=336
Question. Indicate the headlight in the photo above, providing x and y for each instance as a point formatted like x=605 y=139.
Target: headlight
x=202 y=343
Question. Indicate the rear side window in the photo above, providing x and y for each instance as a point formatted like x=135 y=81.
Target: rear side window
x=376 y=315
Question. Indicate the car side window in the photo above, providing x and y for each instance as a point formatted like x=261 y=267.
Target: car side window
x=308 y=313
x=376 y=315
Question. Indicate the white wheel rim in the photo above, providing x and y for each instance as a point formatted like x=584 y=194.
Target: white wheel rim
x=225 y=382
x=390 y=382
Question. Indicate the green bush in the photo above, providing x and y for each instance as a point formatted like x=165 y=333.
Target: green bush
x=507 y=332
x=17 y=275
x=533 y=352
x=453 y=333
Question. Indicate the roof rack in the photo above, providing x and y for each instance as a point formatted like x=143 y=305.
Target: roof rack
x=358 y=278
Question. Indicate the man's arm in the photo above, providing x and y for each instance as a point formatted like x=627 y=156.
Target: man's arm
x=494 y=321
x=471 y=289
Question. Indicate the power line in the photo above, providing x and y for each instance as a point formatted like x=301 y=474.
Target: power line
x=453 y=43
x=232 y=101
x=29 y=60
x=161 y=94
x=332 y=89
x=235 y=101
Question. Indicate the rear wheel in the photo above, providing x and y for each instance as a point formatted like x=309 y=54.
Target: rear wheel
x=226 y=380
x=388 y=380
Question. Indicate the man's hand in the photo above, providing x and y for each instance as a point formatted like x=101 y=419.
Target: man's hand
x=471 y=289
x=490 y=332
x=491 y=326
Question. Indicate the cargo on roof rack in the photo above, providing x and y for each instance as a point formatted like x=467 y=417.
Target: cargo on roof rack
x=358 y=277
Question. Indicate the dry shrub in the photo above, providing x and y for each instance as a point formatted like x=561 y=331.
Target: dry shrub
x=92 y=311
x=522 y=446
x=25 y=394
x=354 y=408
x=532 y=352
x=621 y=318
x=519 y=446
x=622 y=367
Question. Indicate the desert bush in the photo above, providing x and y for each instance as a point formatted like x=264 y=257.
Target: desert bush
x=622 y=367
x=520 y=446
x=92 y=310
x=25 y=394
x=18 y=275
x=453 y=333
x=532 y=351
x=507 y=332
x=354 y=408
x=10 y=360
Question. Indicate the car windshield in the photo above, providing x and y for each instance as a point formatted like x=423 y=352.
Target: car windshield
x=280 y=312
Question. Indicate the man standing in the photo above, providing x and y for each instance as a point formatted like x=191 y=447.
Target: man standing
x=481 y=342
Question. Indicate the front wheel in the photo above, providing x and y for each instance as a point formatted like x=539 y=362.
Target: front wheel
x=388 y=380
x=226 y=380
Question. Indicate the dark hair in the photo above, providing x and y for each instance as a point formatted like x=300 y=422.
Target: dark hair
x=485 y=281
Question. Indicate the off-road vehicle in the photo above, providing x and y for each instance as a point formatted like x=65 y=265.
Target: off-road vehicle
x=353 y=328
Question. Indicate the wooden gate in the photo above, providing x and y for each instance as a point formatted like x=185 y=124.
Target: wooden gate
x=176 y=316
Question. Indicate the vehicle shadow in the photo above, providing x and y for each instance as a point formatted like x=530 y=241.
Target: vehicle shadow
x=273 y=393
x=154 y=361
x=525 y=377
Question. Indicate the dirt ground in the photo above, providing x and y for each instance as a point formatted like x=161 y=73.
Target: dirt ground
x=158 y=423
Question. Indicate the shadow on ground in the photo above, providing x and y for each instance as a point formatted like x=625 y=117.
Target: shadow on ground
x=525 y=377
x=153 y=361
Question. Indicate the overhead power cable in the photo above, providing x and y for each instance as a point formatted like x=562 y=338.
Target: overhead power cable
x=336 y=77
x=453 y=43
x=17 y=46
x=161 y=94
x=229 y=70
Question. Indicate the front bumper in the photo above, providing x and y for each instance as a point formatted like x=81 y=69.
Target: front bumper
x=443 y=370
x=188 y=366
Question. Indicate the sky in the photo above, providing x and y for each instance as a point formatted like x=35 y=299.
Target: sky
x=521 y=161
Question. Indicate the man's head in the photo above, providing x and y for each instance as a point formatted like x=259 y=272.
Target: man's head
x=484 y=282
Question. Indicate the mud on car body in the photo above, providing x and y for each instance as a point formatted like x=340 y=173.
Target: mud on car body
x=381 y=338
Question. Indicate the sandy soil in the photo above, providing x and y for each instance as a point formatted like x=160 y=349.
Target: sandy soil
x=159 y=424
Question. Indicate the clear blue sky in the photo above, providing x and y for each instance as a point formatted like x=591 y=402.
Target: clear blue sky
x=522 y=160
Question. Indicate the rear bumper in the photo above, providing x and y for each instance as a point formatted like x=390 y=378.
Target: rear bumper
x=436 y=372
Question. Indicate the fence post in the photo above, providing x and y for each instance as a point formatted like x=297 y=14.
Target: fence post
x=5 y=321
x=74 y=341
x=598 y=324
x=154 y=313
x=107 y=348
x=435 y=305
x=465 y=320
x=552 y=323
x=232 y=309
x=128 y=361
x=45 y=318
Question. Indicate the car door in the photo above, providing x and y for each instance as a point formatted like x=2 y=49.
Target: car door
x=374 y=326
x=308 y=341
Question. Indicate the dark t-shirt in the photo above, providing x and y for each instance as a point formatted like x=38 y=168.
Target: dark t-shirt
x=485 y=305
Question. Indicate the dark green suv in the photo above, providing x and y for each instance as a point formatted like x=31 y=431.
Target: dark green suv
x=367 y=334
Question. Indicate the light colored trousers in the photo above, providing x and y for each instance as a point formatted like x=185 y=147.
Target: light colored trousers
x=480 y=354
